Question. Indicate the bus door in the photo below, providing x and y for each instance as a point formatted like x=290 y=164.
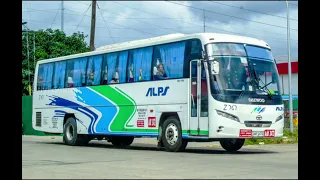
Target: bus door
x=198 y=120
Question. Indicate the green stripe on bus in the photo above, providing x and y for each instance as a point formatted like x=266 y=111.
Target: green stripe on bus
x=124 y=113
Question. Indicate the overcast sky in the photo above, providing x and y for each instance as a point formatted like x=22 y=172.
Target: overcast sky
x=120 y=21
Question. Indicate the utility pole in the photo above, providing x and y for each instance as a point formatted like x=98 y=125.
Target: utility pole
x=204 y=20
x=62 y=15
x=93 y=24
x=289 y=69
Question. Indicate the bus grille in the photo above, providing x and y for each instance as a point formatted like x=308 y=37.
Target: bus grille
x=38 y=119
x=258 y=123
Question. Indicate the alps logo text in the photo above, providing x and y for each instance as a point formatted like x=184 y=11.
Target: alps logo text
x=160 y=91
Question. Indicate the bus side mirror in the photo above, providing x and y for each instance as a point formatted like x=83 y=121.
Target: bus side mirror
x=203 y=54
x=215 y=67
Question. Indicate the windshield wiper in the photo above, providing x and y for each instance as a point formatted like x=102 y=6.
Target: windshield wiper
x=264 y=88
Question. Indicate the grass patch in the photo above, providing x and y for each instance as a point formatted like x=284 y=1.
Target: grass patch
x=288 y=138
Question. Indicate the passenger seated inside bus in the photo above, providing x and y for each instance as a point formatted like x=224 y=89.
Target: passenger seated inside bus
x=70 y=82
x=115 y=78
x=105 y=75
x=130 y=73
x=160 y=73
x=140 y=75
x=91 y=79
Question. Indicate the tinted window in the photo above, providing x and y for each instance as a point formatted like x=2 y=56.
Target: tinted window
x=76 y=72
x=169 y=61
x=139 y=65
x=94 y=70
x=59 y=74
x=45 y=73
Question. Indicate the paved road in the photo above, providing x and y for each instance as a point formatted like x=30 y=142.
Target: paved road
x=47 y=157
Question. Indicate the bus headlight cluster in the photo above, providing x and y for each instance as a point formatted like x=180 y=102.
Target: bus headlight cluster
x=227 y=115
x=279 y=118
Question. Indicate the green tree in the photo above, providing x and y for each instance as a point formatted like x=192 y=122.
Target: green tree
x=48 y=44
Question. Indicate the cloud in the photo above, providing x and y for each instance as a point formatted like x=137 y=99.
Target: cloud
x=126 y=21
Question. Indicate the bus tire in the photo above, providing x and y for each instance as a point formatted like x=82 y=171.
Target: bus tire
x=172 y=135
x=122 y=141
x=231 y=145
x=71 y=136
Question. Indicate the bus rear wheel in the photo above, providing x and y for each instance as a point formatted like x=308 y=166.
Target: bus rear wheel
x=232 y=145
x=122 y=141
x=172 y=135
x=71 y=136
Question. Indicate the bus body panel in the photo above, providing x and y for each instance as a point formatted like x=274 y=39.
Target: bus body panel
x=124 y=108
x=230 y=128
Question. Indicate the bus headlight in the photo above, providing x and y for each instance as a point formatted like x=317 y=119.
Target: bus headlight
x=279 y=118
x=227 y=115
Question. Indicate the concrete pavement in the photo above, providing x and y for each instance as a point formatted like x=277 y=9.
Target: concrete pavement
x=47 y=157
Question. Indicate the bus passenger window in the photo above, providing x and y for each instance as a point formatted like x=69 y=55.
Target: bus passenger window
x=59 y=74
x=172 y=57
x=94 y=70
x=140 y=64
x=45 y=74
x=76 y=69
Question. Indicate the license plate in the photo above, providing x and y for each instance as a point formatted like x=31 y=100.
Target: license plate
x=269 y=133
x=258 y=134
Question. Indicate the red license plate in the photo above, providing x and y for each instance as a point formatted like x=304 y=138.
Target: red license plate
x=269 y=133
x=245 y=133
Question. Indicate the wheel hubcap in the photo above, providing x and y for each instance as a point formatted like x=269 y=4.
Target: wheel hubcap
x=69 y=132
x=171 y=134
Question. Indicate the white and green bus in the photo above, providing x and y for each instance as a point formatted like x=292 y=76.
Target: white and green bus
x=178 y=88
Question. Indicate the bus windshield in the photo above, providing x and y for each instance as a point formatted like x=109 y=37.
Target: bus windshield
x=243 y=71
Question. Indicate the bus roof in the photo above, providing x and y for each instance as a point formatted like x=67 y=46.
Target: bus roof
x=204 y=37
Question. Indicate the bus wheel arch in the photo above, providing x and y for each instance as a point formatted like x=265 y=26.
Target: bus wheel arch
x=171 y=134
x=70 y=132
x=163 y=117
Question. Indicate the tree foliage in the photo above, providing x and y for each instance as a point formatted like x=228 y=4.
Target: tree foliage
x=48 y=44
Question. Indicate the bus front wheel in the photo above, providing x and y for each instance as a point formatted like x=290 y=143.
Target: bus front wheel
x=71 y=136
x=172 y=135
x=231 y=145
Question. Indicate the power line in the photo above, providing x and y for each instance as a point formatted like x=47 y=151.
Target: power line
x=242 y=26
x=44 y=22
x=83 y=16
x=77 y=14
x=163 y=27
x=231 y=16
x=180 y=20
x=172 y=29
x=251 y=10
x=248 y=28
x=55 y=16
x=105 y=24
x=173 y=19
